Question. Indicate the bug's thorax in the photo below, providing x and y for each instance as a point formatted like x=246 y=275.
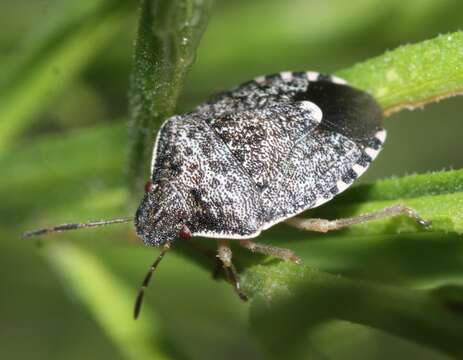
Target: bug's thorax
x=162 y=215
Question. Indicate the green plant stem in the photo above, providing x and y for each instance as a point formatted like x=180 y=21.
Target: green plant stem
x=168 y=35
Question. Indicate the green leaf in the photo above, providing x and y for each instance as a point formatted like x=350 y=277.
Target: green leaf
x=285 y=40
x=52 y=58
x=436 y=196
x=168 y=35
x=412 y=76
x=291 y=299
x=109 y=300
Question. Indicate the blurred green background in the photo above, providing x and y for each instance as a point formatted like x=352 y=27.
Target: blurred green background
x=67 y=162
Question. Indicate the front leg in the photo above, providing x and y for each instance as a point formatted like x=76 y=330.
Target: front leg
x=323 y=225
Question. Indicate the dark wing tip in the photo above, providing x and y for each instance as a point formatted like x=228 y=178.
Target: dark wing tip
x=346 y=110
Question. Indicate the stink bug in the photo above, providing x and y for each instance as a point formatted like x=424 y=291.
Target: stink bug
x=253 y=157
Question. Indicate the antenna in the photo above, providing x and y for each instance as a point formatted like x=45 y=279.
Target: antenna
x=67 y=227
x=146 y=281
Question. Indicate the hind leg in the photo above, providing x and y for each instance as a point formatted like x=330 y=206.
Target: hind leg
x=323 y=225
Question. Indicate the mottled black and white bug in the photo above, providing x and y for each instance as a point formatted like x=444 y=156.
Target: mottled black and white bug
x=253 y=157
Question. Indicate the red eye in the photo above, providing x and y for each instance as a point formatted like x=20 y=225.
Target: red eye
x=184 y=233
x=149 y=186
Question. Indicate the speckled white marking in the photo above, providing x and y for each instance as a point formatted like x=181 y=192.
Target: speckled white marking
x=222 y=235
x=372 y=152
x=312 y=75
x=341 y=185
x=155 y=148
x=320 y=202
x=286 y=75
x=315 y=111
x=338 y=80
x=359 y=170
x=381 y=136
x=260 y=79
x=317 y=203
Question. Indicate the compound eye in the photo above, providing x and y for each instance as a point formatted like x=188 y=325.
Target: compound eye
x=184 y=233
x=149 y=186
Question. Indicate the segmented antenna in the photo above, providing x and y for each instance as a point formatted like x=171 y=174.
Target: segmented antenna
x=66 y=227
x=146 y=281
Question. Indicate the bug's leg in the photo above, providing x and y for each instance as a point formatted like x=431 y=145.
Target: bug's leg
x=278 y=252
x=224 y=253
x=323 y=225
x=217 y=269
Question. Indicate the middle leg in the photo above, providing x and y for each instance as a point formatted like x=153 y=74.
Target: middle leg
x=224 y=254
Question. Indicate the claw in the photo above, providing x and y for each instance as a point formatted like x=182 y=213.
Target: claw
x=424 y=223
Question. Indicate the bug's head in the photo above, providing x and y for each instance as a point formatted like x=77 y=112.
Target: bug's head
x=162 y=215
